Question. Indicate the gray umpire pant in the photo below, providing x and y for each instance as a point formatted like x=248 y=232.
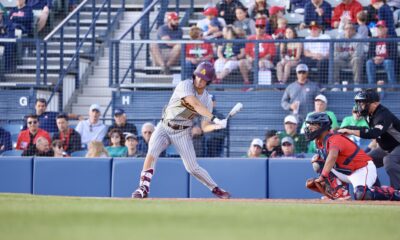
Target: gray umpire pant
x=391 y=163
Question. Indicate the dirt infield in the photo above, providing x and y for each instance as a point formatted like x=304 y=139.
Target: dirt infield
x=280 y=201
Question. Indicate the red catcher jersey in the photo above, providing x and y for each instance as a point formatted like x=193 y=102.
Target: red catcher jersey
x=346 y=148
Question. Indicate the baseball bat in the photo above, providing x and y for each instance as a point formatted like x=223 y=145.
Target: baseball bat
x=235 y=110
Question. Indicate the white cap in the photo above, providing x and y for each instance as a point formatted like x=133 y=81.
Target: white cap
x=287 y=140
x=321 y=98
x=291 y=119
x=257 y=141
x=94 y=107
x=301 y=67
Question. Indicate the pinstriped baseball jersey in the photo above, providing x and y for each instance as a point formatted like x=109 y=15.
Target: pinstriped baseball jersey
x=178 y=111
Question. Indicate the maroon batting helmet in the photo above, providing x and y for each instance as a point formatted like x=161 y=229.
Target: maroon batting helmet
x=205 y=71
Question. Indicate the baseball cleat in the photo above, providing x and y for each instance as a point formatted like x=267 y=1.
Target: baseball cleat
x=221 y=193
x=141 y=192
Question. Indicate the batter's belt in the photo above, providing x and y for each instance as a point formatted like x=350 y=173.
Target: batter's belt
x=176 y=126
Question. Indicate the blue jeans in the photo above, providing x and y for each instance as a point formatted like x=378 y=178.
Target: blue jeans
x=388 y=65
x=145 y=25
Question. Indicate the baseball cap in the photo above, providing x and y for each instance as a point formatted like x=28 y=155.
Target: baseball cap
x=375 y=1
x=119 y=111
x=314 y=24
x=275 y=9
x=287 y=140
x=301 y=67
x=257 y=142
x=270 y=133
x=130 y=135
x=213 y=11
x=94 y=107
x=173 y=16
x=381 y=23
x=290 y=119
x=321 y=97
x=262 y=21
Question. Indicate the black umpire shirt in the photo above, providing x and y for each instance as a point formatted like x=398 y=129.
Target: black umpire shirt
x=384 y=126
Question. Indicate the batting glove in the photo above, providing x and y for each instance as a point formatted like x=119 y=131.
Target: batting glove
x=220 y=124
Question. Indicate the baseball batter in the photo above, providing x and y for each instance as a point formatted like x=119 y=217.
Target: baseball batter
x=345 y=160
x=189 y=100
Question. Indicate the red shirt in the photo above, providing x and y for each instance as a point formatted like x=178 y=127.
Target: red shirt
x=24 y=139
x=264 y=48
x=346 y=148
x=199 y=50
x=381 y=50
x=351 y=9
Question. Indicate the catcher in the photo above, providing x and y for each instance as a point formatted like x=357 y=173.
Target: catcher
x=341 y=160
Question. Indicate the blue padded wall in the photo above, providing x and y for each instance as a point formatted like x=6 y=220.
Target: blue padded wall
x=243 y=178
x=287 y=178
x=72 y=176
x=170 y=180
x=16 y=174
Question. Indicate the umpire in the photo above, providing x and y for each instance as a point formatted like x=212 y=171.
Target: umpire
x=384 y=126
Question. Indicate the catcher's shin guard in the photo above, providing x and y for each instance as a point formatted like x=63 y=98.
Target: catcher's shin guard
x=144 y=184
x=385 y=193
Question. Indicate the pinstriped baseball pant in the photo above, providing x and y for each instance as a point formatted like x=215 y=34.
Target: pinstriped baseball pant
x=163 y=136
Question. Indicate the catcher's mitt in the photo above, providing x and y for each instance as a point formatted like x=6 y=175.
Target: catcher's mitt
x=321 y=187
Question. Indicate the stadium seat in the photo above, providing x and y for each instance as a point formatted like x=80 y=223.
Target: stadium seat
x=81 y=153
x=12 y=128
x=13 y=152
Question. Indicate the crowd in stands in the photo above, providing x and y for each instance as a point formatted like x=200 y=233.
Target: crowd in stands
x=230 y=20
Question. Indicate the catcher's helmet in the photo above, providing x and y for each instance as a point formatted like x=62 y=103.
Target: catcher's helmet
x=320 y=118
x=367 y=97
x=205 y=71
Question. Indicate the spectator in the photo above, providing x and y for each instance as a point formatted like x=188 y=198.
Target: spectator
x=131 y=142
x=318 y=11
x=5 y=140
x=381 y=54
x=147 y=130
x=362 y=28
x=196 y=52
x=145 y=23
x=243 y=22
x=214 y=140
x=255 y=149
x=229 y=55
x=290 y=125
x=92 y=129
x=320 y=105
x=288 y=148
x=58 y=148
x=3 y=22
x=41 y=148
x=226 y=9
x=71 y=138
x=259 y=9
x=272 y=148
x=96 y=149
x=299 y=96
x=355 y=120
x=120 y=122
x=166 y=55
x=21 y=18
x=275 y=12
x=266 y=52
x=345 y=12
x=211 y=25
x=27 y=138
x=280 y=30
x=349 y=54
x=290 y=56
x=41 y=10
x=117 y=147
x=385 y=14
x=316 y=54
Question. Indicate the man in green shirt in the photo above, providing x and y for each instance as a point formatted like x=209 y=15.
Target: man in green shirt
x=290 y=124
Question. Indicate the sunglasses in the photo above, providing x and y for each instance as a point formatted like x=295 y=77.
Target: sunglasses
x=286 y=144
x=301 y=72
x=260 y=26
x=148 y=132
x=59 y=146
x=32 y=122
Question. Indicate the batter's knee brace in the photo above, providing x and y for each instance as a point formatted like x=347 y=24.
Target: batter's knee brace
x=363 y=193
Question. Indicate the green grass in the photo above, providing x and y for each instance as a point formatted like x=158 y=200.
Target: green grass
x=58 y=218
